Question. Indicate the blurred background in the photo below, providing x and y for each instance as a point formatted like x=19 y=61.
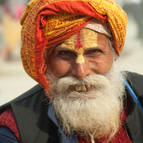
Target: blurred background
x=13 y=79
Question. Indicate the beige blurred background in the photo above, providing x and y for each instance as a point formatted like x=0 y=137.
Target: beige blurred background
x=13 y=79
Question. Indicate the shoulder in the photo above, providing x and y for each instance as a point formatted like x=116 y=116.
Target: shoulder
x=134 y=77
x=136 y=82
x=29 y=111
x=35 y=91
x=30 y=97
x=135 y=117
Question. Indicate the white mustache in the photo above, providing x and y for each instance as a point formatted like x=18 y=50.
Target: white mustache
x=91 y=82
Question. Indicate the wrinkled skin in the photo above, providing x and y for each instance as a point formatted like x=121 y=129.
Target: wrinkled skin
x=94 y=55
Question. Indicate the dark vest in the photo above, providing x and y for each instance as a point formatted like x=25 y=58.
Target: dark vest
x=30 y=112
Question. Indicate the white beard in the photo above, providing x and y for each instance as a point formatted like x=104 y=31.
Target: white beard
x=95 y=113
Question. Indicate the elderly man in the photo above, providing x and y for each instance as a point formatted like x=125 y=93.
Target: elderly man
x=71 y=48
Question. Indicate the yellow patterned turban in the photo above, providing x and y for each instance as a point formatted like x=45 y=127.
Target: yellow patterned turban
x=46 y=23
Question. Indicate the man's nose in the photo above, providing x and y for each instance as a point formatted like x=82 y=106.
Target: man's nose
x=80 y=70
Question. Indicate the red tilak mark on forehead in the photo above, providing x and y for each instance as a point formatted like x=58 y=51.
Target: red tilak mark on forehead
x=78 y=43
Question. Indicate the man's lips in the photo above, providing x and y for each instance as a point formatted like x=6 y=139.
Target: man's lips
x=81 y=88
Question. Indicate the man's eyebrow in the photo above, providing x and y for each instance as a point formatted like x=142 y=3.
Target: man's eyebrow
x=91 y=48
x=66 y=49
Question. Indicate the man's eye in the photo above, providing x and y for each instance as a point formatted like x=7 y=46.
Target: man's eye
x=66 y=55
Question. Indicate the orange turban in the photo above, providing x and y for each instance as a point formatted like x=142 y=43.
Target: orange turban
x=46 y=23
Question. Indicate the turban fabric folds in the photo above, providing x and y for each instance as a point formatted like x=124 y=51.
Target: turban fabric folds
x=46 y=23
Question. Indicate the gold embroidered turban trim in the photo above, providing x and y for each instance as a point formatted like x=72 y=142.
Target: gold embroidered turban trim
x=46 y=23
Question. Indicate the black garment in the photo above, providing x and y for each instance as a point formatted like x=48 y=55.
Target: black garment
x=35 y=127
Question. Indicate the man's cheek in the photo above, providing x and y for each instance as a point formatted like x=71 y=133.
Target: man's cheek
x=60 y=67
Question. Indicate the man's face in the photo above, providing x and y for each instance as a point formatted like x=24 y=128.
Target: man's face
x=83 y=54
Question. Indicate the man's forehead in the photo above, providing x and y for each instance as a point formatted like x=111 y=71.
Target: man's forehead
x=84 y=39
